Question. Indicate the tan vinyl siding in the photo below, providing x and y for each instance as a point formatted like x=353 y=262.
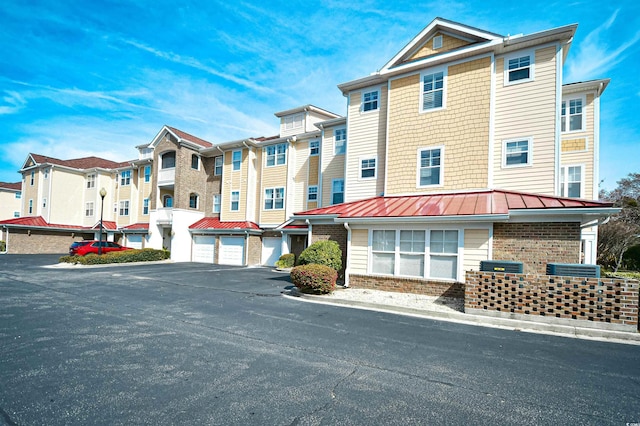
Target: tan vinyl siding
x=66 y=206
x=30 y=192
x=314 y=170
x=448 y=43
x=332 y=167
x=301 y=176
x=573 y=155
x=125 y=194
x=476 y=248
x=527 y=110
x=359 y=251
x=9 y=204
x=273 y=177
x=366 y=139
x=462 y=128
x=234 y=181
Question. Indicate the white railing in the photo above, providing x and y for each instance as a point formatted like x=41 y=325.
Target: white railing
x=166 y=176
x=164 y=215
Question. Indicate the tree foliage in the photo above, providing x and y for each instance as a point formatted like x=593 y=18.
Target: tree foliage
x=623 y=230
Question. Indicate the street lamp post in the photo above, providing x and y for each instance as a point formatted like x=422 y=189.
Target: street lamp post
x=103 y=192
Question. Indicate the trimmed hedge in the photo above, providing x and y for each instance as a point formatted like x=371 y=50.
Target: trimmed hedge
x=3 y=246
x=314 y=279
x=286 y=261
x=126 y=256
x=324 y=252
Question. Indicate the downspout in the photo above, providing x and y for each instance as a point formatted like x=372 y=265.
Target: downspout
x=249 y=210
x=596 y=143
x=309 y=233
x=347 y=267
x=320 y=154
x=246 y=247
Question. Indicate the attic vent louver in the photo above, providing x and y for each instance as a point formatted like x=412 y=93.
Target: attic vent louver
x=573 y=270
x=437 y=42
x=506 y=266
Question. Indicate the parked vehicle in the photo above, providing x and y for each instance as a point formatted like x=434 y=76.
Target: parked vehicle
x=82 y=248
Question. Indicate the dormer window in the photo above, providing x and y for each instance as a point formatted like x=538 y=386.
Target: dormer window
x=293 y=121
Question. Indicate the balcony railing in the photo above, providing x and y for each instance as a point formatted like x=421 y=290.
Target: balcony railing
x=166 y=176
x=164 y=216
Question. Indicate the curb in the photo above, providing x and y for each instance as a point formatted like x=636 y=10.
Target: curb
x=480 y=320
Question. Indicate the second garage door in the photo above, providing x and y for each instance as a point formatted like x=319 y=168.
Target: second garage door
x=203 y=248
x=231 y=251
x=271 y=250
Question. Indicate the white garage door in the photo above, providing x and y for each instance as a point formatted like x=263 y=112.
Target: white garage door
x=134 y=241
x=204 y=247
x=231 y=251
x=271 y=250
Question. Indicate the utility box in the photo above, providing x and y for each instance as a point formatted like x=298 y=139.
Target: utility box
x=506 y=266
x=573 y=270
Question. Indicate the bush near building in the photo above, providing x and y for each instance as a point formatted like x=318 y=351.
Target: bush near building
x=324 y=252
x=127 y=256
x=314 y=279
x=286 y=261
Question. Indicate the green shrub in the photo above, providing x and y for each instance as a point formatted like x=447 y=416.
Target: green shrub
x=3 y=246
x=314 y=278
x=286 y=261
x=126 y=256
x=325 y=252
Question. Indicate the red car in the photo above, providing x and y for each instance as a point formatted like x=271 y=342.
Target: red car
x=82 y=248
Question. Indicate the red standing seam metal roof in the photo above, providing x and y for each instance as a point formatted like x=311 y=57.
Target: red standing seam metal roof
x=106 y=224
x=141 y=226
x=190 y=138
x=36 y=222
x=490 y=202
x=215 y=223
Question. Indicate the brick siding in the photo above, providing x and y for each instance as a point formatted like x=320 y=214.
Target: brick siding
x=407 y=285
x=22 y=241
x=337 y=233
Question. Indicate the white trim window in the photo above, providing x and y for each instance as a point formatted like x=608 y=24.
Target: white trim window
x=147 y=174
x=30 y=206
x=195 y=162
x=124 y=208
x=91 y=181
x=235 y=201
x=145 y=206
x=312 y=193
x=236 y=160
x=44 y=203
x=430 y=168
x=216 y=203
x=368 y=168
x=194 y=200
x=293 y=121
x=276 y=155
x=383 y=256
x=18 y=195
x=411 y=253
x=88 y=209
x=337 y=191
x=433 y=94
x=217 y=166
x=16 y=214
x=437 y=42
x=274 y=198
x=518 y=68
x=340 y=141
x=571 y=184
x=167 y=201
x=443 y=254
x=314 y=148
x=370 y=100
x=33 y=177
x=125 y=178
x=516 y=153
x=572 y=112
x=46 y=173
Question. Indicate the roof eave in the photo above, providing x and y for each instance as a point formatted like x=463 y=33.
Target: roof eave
x=422 y=219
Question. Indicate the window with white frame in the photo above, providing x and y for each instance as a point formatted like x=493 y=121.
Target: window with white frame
x=18 y=195
x=516 y=153
x=216 y=203
x=46 y=173
x=433 y=91
x=293 y=121
x=195 y=162
x=339 y=141
x=167 y=201
x=411 y=253
x=91 y=181
x=30 y=206
x=437 y=42
x=44 y=203
x=572 y=116
x=276 y=155
x=16 y=214
x=236 y=160
x=125 y=177
x=383 y=252
x=88 y=209
x=147 y=173
x=33 y=177
x=145 y=206
x=443 y=254
x=368 y=168
x=274 y=198
x=518 y=69
x=430 y=166
x=337 y=191
x=571 y=181
x=124 y=208
x=193 y=200
x=314 y=147
x=217 y=169
x=235 y=201
x=370 y=100
x=312 y=193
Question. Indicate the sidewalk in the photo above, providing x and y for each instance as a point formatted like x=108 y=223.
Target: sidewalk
x=451 y=309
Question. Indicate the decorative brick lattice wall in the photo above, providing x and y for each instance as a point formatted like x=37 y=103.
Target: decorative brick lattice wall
x=536 y=244
x=407 y=285
x=592 y=300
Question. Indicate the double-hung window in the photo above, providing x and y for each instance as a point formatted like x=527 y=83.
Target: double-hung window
x=433 y=91
x=276 y=155
x=91 y=181
x=443 y=253
x=337 y=191
x=145 y=206
x=33 y=177
x=30 y=206
x=370 y=101
x=411 y=251
x=571 y=181
x=193 y=200
x=430 y=166
x=339 y=141
x=195 y=162
x=18 y=195
x=216 y=203
x=518 y=69
x=274 y=198
x=314 y=147
x=236 y=160
x=383 y=252
x=572 y=117
x=368 y=168
x=147 y=173
x=217 y=169
x=125 y=177
x=124 y=208
x=235 y=201
x=516 y=153
x=88 y=209
x=312 y=193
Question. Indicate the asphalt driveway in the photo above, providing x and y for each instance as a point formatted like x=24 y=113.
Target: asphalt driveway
x=207 y=344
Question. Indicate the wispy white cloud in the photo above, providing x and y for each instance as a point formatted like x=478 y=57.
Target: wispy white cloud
x=598 y=52
x=13 y=102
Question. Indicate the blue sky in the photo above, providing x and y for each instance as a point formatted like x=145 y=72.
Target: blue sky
x=82 y=78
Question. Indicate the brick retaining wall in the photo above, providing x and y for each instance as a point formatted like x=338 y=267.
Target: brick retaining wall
x=408 y=285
